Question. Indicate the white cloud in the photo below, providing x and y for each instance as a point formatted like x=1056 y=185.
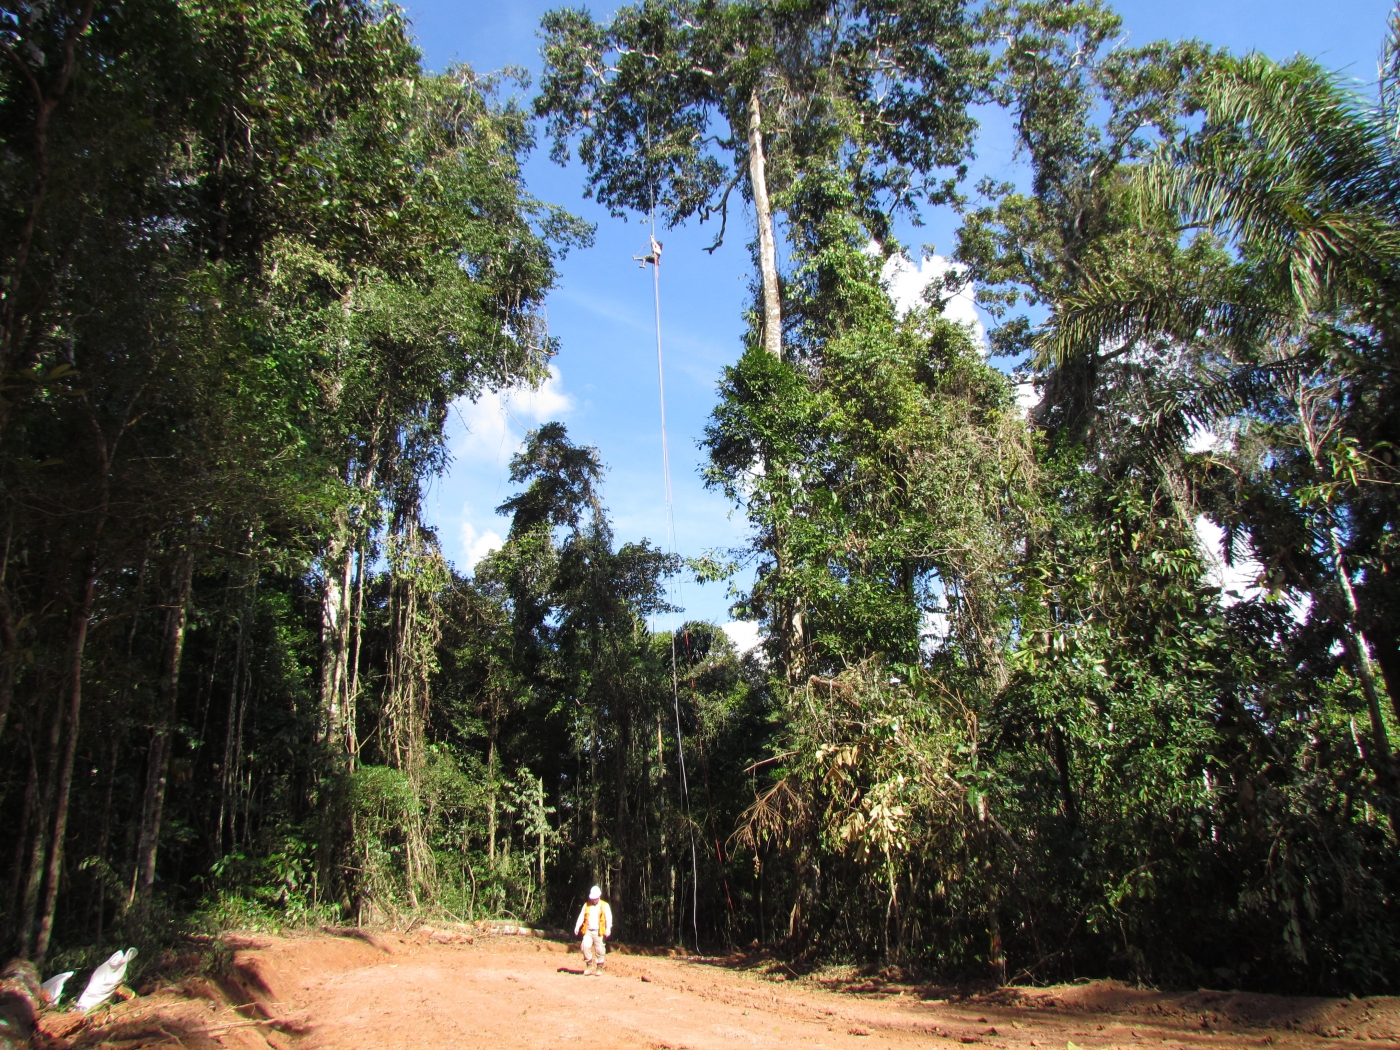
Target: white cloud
x=492 y=429
x=743 y=633
x=906 y=283
x=1237 y=582
x=933 y=631
x=497 y=421
x=1027 y=397
x=1204 y=439
x=477 y=545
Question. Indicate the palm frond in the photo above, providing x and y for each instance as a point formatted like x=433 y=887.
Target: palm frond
x=1388 y=110
x=1290 y=166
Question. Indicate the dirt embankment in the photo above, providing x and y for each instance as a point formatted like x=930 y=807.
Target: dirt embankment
x=464 y=988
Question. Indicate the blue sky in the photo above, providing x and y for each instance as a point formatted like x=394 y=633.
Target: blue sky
x=605 y=386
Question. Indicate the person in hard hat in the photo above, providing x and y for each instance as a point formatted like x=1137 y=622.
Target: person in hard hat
x=596 y=923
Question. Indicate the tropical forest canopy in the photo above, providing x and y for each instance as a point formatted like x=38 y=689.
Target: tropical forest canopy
x=1006 y=720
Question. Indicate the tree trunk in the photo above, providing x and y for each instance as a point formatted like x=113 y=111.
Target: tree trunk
x=1388 y=656
x=620 y=839
x=46 y=103
x=352 y=691
x=26 y=819
x=162 y=735
x=416 y=632
x=335 y=634
x=227 y=772
x=1359 y=649
x=491 y=792
x=337 y=701
x=767 y=249
x=78 y=627
x=541 y=831
x=1353 y=636
x=1057 y=737
x=8 y=638
x=996 y=953
x=10 y=645
x=593 y=800
x=787 y=615
x=661 y=824
x=104 y=838
x=1360 y=652
x=34 y=880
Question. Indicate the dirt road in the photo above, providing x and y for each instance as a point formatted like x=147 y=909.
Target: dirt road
x=439 y=990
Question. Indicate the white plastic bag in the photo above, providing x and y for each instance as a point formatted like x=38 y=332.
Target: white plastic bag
x=53 y=987
x=105 y=979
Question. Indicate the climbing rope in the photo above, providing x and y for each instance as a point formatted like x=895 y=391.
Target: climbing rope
x=653 y=259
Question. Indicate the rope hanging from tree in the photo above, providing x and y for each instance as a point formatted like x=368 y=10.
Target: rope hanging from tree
x=653 y=259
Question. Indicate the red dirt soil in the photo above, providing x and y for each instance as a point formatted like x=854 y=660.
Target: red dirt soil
x=463 y=988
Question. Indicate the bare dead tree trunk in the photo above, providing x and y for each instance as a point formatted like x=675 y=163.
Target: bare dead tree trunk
x=162 y=735
x=767 y=248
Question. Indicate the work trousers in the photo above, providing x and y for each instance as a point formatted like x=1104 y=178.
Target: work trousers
x=594 y=947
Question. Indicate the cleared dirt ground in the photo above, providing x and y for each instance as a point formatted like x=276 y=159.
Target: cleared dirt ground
x=439 y=989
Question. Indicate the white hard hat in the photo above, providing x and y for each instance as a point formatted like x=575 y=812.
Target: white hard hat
x=594 y=893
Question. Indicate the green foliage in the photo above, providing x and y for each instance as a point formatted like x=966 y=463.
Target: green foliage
x=1138 y=775
x=658 y=98
x=252 y=254
x=882 y=472
x=1006 y=720
x=595 y=711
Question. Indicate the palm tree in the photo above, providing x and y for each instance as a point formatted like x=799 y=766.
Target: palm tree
x=1293 y=179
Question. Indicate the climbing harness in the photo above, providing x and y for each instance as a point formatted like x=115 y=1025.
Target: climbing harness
x=654 y=257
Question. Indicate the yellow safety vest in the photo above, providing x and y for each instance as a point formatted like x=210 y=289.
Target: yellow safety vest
x=602 y=918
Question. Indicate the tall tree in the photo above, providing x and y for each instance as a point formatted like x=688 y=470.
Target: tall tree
x=674 y=105
x=256 y=260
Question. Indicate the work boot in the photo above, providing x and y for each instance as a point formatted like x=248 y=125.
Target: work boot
x=587 y=969
x=598 y=970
